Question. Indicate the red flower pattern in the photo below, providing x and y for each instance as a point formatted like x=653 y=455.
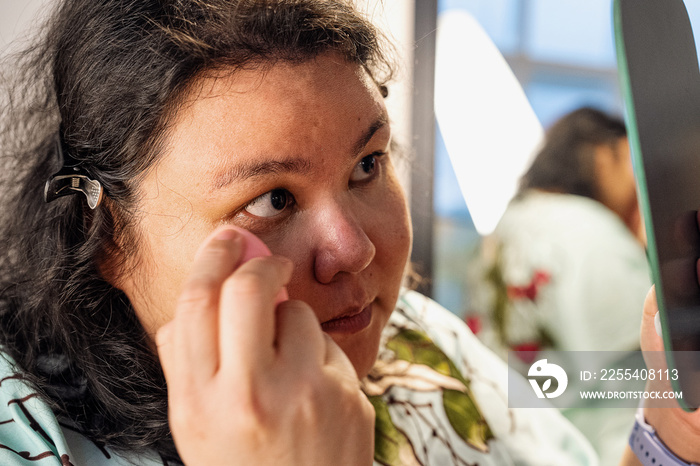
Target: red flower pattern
x=529 y=291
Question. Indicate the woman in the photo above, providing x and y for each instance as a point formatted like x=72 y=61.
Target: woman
x=568 y=263
x=198 y=118
x=567 y=258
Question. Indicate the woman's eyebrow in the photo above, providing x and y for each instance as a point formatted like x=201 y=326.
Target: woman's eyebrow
x=259 y=168
x=381 y=121
x=246 y=171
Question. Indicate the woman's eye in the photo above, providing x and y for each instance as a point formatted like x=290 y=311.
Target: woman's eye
x=270 y=204
x=365 y=168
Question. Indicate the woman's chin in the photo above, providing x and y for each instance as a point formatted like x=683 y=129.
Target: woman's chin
x=361 y=349
x=364 y=365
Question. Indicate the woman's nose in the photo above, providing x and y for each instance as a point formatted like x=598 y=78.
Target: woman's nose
x=342 y=244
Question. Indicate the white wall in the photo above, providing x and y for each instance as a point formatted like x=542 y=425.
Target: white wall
x=396 y=19
x=16 y=20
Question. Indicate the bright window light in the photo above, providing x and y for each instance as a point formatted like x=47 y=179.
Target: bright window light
x=489 y=128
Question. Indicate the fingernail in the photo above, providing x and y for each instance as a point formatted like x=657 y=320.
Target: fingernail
x=226 y=237
x=227 y=234
x=283 y=260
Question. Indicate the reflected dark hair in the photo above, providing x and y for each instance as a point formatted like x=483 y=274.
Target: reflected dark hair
x=106 y=78
x=565 y=162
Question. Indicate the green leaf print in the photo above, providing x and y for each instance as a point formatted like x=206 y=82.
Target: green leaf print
x=462 y=412
x=390 y=445
x=466 y=419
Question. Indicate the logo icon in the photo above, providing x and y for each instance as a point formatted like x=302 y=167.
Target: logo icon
x=543 y=372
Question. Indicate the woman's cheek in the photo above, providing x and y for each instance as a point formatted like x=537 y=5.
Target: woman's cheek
x=396 y=226
x=294 y=242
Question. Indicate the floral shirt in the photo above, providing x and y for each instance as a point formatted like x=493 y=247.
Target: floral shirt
x=440 y=398
x=561 y=272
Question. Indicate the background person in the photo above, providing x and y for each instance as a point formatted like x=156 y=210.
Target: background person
x=565 y=268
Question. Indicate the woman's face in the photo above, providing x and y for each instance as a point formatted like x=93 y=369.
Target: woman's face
x=299 y=156
x=615 y=178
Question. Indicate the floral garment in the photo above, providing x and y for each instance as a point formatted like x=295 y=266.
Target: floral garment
x=441 y=399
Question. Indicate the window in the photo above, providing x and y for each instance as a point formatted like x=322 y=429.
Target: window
x=562 y=53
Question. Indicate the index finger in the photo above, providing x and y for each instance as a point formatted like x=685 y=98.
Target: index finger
x=193 y=332
x=249 y=298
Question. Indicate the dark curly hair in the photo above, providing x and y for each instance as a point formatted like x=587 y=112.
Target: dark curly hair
x=565 y=161
x=105 y=78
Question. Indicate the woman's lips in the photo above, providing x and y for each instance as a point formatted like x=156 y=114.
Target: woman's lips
x=349 y=323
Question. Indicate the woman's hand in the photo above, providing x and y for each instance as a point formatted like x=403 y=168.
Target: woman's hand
x=254 y=383
x=678 y=429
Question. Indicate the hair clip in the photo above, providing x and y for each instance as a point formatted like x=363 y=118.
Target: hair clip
x=72 y=179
